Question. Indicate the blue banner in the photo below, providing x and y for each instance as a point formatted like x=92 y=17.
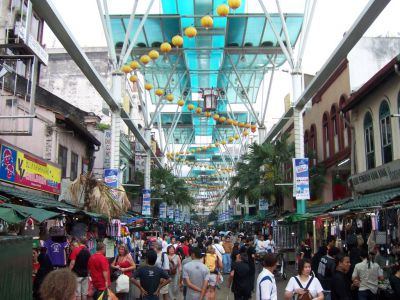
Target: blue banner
x=146 y=203
x=177 y=215
x=163 y=210
x=170 y=212
x=301 y=178
x=111 y=177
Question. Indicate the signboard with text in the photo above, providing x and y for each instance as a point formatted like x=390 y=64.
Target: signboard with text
x=24 y=169
x=301 y=178
x=111 y=177
x=262 y=204
x=163 y=210
x=146 y=203
x=170 y=212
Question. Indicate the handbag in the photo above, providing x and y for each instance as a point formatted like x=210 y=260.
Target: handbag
x=115 y=274
x=122 y=284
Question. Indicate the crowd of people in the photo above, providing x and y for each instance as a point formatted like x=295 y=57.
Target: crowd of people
x=192 y=267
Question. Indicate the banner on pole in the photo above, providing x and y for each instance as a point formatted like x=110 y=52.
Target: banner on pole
x=177 y=216
x=170 y=212
x=146 y=203
x=163 y=210
x=301 y=178
x=262 y=204
x=111 y=177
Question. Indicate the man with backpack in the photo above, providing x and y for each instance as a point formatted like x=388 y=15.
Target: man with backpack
x=79 y=259
x=162 y=262
x=326 y=270
x=266 y=285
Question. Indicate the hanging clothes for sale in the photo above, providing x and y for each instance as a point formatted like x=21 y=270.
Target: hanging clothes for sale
x=56 y=251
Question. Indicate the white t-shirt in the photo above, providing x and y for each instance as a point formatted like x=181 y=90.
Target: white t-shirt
x=261 y=246
x=314 y=288
x=270 y=246
x=219 y=250
x=266 y=286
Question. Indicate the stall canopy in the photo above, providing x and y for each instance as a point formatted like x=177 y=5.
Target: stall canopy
x=373 y=200
x=34 y=198
x=38 y=214
x=327 y=207
x=10 y=216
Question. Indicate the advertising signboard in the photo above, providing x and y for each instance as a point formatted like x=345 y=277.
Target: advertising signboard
x=146 y=203
x=262 y=204
x=27 y=170
x=163 y=210
x=111 y=177
x=301 y=178
x=170 y=212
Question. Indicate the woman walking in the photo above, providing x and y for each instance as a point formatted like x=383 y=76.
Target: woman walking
x=365 y=276
x=304 y=283
x=239 y=279
x=124 y=262
x=175 y=268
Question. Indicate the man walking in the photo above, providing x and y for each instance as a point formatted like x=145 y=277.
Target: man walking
x=195 y=275
x=326 y=269
x=266 y=285
x=79 y=258
x=99 y=270
x=152 y=278
x=228 y=246
x=162 y=262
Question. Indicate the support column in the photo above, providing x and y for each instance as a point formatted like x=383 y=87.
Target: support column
x=116 y=90
x=298 y=128
x=147 y=163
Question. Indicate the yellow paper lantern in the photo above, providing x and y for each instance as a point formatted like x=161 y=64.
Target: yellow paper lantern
x=222 y=119
x=236 y=136
x=223 y=10
x=126 y=69
x=165 y=47
x=198 y=149
x=234 y=4
x=216 y=144
x=253 y=126
x=231 y=139
x=159 y=92
x=181 y=102
x=253 y=130
x=153 y=54
x=134 y=65
x=198 y=110
x=204 y=148
x=247 y=125
x=148 y=86
x=145 y=59
x=223 y=142
x=177 y=41
x=169 y=97
x=133 y=78
x=190 y=107
x=190 y=31
x=235 y=123
x=207 y=114
x=229 y=121
x=241 y=124
x=207 y=22
x=245 y=133
x=216 y=117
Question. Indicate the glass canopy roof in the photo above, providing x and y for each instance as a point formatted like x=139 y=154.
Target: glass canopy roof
x=234 y=56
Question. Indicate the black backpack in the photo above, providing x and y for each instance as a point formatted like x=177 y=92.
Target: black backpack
x=81 y=263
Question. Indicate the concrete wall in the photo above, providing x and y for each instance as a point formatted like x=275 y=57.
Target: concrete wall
x=389 y=90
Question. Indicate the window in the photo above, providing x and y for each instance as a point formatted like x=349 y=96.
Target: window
x=74 y=166
x=325 y=126
x=62 y=160
x=386 y=132
x=306 y=142
x=335 y=128
x=313 y=144
x=369 y=141
x=346 y=130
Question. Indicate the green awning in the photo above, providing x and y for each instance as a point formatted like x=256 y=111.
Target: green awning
x=3 y=198
x=10 y=216
x=326 y=207
x=38 y=214
x=372 y=200
x=296 y=217
x=35 y=198
x=95 y=215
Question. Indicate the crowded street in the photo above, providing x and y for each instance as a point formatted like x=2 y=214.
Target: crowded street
x=199 y=150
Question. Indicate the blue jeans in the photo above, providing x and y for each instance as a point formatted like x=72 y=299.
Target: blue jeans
x=226 y=259
x=366 y=295
x=327 y=295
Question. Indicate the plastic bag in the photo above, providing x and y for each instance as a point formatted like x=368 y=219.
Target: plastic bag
x=111 y=295
x=122 y=284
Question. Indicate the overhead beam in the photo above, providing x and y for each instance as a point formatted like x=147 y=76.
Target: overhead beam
x=353 y=35
x=47 y=11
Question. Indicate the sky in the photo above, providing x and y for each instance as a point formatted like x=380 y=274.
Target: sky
x=331 y=20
